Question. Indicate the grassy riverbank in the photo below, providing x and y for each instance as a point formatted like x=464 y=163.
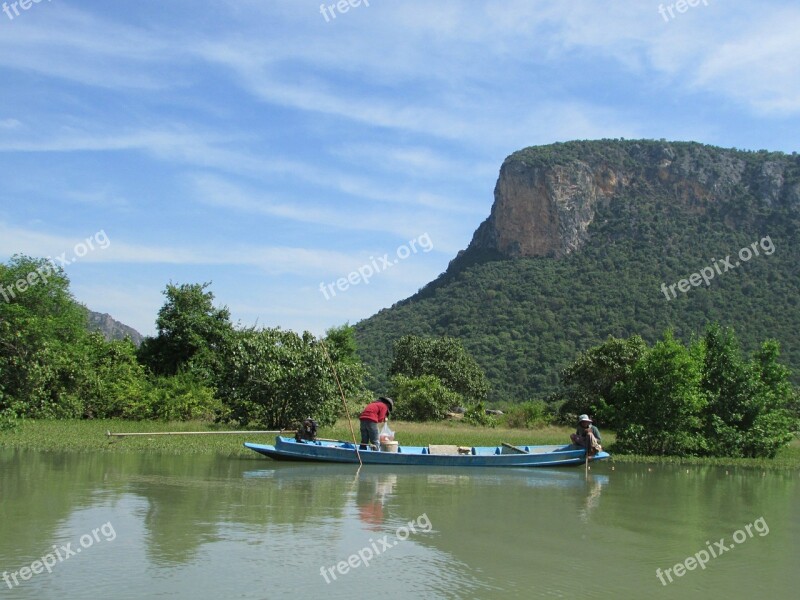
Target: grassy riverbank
x=90 y=436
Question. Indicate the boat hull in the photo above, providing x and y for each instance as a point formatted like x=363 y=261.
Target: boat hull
x=479 y=456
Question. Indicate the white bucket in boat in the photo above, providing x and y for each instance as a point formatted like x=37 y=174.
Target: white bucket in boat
x=389 y=446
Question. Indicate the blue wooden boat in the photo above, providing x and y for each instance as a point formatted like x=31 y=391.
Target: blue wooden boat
x=505 y=455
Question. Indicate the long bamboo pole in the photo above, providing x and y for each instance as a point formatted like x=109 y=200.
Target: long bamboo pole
x=346 y=410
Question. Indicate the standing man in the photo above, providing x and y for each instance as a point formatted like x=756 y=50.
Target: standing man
x=374 y=413
x=587 y=435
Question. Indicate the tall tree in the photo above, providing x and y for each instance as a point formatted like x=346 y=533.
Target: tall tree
x=273 y=378
x=589 y=381
x=661 y=402
x=445 y=358
x=40 y=326
x=192 y=333
x=730 y=390
x=423 y=398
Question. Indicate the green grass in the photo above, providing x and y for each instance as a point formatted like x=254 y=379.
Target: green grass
x=90 y=436
x=787 y=458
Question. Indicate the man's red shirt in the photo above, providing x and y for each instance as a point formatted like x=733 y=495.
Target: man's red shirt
x=375 y=411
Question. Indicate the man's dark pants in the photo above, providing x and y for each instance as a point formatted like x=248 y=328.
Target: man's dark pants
x=369 y=433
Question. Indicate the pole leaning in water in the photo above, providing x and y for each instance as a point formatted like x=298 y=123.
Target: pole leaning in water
x=346 y=410
x=587 y=460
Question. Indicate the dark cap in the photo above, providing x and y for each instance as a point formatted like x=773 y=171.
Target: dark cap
x=388 y=401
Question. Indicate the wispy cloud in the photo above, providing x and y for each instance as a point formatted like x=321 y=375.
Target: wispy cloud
x=270 y=259
x=758 y=66
x=222 y=193
x=103 y=198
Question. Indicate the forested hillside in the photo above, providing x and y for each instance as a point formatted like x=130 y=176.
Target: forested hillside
x=618 y=223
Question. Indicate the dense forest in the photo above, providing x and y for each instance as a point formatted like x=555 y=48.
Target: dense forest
x=524 y=319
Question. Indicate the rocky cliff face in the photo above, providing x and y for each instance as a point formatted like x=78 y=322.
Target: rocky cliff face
x=112 y=329
x=546 y=197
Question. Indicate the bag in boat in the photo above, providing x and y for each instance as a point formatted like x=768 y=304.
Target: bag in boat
x=386 y=434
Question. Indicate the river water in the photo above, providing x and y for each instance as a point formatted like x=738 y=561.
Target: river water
x=150 y=526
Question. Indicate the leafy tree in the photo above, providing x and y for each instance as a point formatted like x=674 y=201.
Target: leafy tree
x=730 y=390
x=192 y=333
x=660 y=402
x=40 y=325
x=109 y=379
x=748 y=402
x=423 y=398
x=774 y=425
x=444 y=358
x=274 y=378
x=340 y=343
x=591 y=379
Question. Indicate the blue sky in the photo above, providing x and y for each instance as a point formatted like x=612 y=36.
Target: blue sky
x=269 y=148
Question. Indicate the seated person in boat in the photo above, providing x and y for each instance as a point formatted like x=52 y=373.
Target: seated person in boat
x=374 y=413
x=587 y=435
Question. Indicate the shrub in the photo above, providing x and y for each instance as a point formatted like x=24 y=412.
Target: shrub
x=9 y=420
x=274 y=378
x=476 y=415
x=182 y=397
x=423 y=398
x=534 y=413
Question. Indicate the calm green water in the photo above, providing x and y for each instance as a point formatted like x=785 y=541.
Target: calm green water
x=197 y=527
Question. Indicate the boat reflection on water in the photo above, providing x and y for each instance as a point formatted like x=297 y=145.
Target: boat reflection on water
x=385 y=478
x=374 y=487
x=542 y=478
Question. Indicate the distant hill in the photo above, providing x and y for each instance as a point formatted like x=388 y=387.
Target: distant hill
x=112 y=329
x=584 y=241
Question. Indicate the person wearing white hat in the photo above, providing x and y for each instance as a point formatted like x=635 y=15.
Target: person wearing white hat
x=587 y=435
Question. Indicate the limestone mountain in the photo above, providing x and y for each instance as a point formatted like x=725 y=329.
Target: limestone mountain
x=589 y=239
x=111 y=328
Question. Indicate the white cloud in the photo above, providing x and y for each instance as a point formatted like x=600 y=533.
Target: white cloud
x=106 y=248
x=101 y=197
x=758 y=66
x=398 y=221
x=90 y=50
